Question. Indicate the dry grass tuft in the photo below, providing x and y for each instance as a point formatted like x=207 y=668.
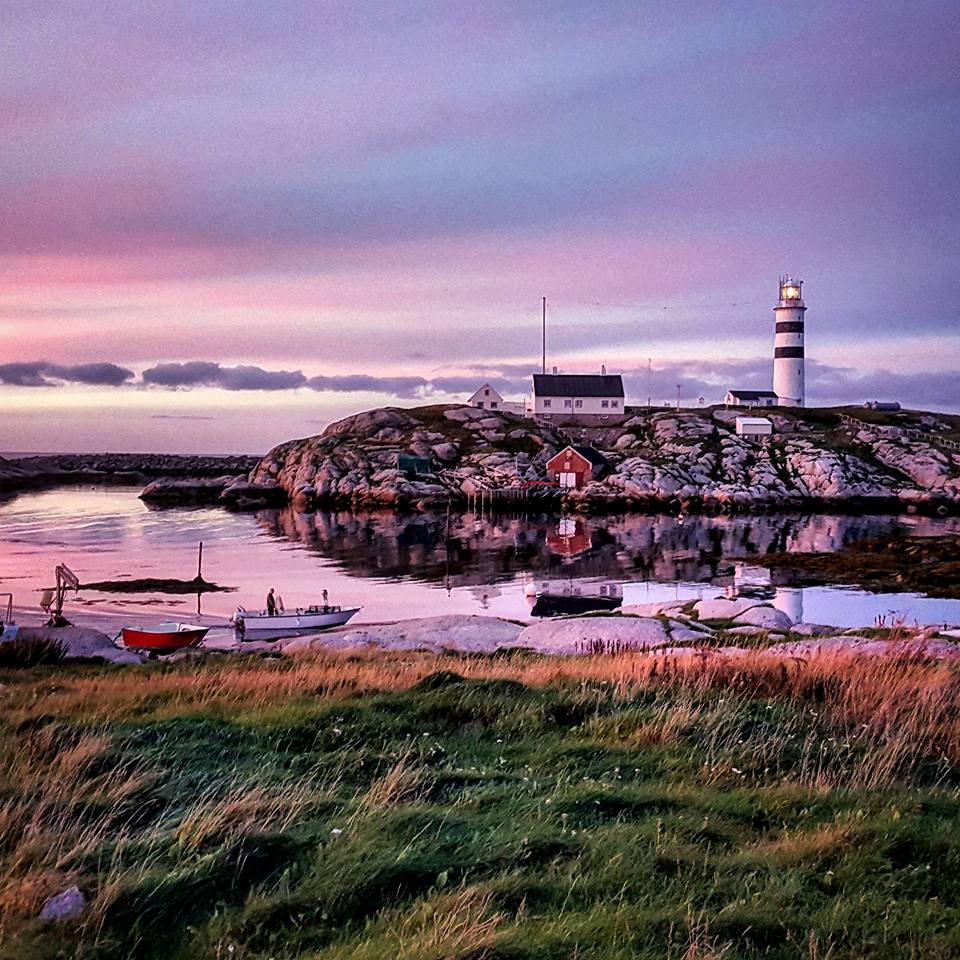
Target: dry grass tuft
x=49 y=782
x=402 y=783
x=461 y=923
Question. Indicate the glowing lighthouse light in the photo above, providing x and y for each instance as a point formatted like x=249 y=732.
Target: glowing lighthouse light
x=788 y=355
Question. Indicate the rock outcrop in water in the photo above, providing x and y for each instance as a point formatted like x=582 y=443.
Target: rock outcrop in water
x=694 y=460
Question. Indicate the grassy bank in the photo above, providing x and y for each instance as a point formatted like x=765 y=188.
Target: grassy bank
x=422 y=807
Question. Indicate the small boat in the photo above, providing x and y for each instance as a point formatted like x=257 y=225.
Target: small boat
x=319 y=617
x=163 y=636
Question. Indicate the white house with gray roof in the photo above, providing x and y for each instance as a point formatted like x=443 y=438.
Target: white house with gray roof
x=586 y=398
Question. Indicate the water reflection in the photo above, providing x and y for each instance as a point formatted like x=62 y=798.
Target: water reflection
x=464 y=550
x=429 y=564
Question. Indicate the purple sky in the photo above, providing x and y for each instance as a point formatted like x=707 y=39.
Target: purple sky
x=310 y=208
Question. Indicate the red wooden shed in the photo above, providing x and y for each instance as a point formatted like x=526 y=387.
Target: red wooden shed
x=575 y=467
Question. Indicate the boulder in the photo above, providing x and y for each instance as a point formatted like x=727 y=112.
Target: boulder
x=812 y=629
x=936 y=649
x=769 y=618
x=463 y=414
x=666 y=607
x=750 y=631
x=64 y=906
x=594 y=635
x=446 y=452
x=190 y=490
x=243 y=494
x=461 y=633
x=721 y=609
x=82 y=643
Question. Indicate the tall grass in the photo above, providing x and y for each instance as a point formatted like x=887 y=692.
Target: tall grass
x=425 y=806
x=908 y=708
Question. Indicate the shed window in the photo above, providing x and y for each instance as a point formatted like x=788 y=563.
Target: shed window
x=547 y=403
x=568 y=403
x=604 y=404
x=614 y=404
x=579 y=403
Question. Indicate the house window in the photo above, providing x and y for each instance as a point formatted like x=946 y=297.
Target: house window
x=579 y=403
x=547 y=403
x=486 y=393
x=480 y=404
x=568 y=404
x=493 y=405
x=614 y=404
x=604 y=404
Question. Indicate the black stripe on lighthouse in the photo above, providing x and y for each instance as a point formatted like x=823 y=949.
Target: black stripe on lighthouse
x=794 y=353
x=789 y=326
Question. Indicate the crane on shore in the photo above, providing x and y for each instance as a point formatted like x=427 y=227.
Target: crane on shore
x=51 y=600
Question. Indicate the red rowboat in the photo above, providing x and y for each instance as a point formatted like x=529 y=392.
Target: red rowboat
x=164 y=636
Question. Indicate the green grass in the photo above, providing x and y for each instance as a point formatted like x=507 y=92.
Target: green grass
x=473 y=818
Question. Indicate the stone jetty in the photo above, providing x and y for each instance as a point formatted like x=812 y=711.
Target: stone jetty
x=32 y=472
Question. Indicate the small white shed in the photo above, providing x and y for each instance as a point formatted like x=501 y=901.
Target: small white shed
x=754 y=427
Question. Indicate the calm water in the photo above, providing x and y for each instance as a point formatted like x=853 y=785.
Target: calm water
x=406 y=566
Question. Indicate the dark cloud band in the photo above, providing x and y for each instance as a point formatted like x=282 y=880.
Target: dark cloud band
x=39 y=373
x=204 y=373
x=826 y=384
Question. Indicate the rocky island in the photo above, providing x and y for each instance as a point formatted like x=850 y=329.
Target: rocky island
x=682 y=460
x=422 y=458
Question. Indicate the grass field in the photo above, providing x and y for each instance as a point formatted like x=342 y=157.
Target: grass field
x=420 y=806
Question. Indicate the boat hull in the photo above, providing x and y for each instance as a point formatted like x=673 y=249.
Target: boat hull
x=179 y=639
x=296 y=621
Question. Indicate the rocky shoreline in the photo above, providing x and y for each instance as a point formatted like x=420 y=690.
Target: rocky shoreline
x=707 y=628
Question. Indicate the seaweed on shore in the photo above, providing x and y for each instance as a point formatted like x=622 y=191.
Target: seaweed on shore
x=157 y=585
x=929 y=565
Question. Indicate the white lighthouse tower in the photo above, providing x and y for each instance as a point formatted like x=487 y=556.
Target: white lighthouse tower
x=789 y=382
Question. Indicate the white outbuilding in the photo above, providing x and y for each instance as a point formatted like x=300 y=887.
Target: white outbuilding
x=486 y=398
x=754 y=427
x=751 y=398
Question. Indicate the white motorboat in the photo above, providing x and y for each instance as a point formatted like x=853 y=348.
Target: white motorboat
x=320 y=617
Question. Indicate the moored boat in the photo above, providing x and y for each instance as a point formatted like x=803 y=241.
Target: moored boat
x=319 y=617
x=163 y=636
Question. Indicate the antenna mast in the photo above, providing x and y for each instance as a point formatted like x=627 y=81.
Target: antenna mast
x=544 y=305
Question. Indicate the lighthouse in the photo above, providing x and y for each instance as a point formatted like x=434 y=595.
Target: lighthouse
x=788 y=372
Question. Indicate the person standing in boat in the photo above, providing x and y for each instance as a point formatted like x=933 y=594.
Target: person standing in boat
x=326 y=600
x=271 y=604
